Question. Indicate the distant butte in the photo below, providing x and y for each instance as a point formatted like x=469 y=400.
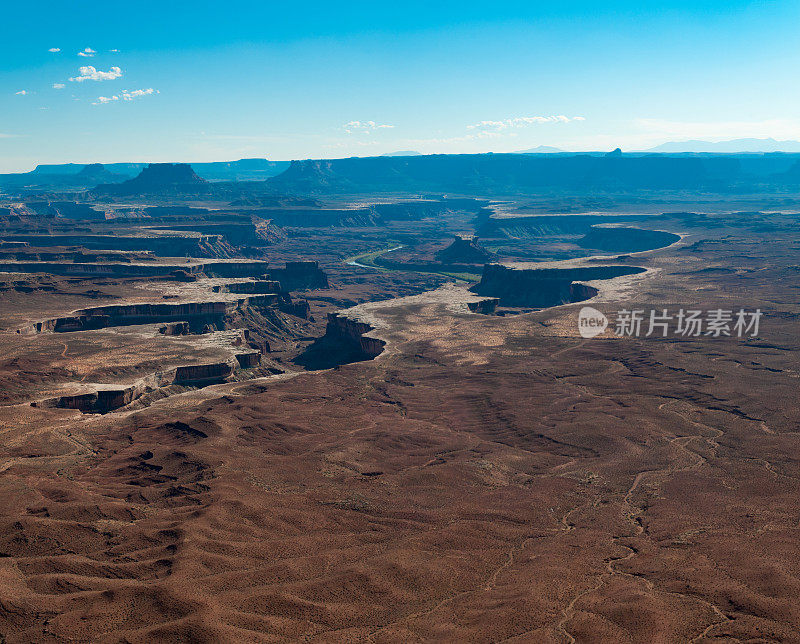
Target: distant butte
x=156 y=177
x=97 y=172
x=465 y=250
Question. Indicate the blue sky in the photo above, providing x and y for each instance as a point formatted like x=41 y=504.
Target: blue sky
x=202 y=81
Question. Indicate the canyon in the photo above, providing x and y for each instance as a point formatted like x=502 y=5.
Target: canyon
x=351 y=402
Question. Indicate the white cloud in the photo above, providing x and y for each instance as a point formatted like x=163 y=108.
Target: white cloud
x=114 y=51
x=54 y=50
x=522 y=121
x=364 y=127
x=58 y=85
x=90 y=73
x=126 y=95
x=21 y=92
x=129 y=96
x=87 y=53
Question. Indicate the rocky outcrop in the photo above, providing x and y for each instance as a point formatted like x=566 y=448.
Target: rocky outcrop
x=24 y=253
x=91 y=268
x=63 y=177
x=256 y=286
x=175 y=328
x=237 y=233
x=373 y=215
x=79 y=322
x=300 y=275
x=235 y=269
x=249 y=359
x=298 y=308
x=203 y=374
x=180 y=275
x=94 y=173
x=199 y=316
x=59 y=209
x=101 y=399
x=346 y=340
x=72 y=210
x=321 y=217
x=214 y=269
x=241 y=170
x=487 y=306
x=544 y=287
x=95 y=402
x=355 y=332
x=626 y=240
x=543 y=225
x=156 y=178
x=163 y=245
x=85 y=322
x=464 y=250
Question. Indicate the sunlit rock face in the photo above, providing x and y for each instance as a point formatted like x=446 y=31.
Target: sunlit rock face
x=544 y=287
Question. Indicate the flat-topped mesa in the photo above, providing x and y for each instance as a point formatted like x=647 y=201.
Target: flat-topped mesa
x=99 y=401
x=256 y=286
x=94 y=173
x=249 y=234
x=300 y=275
x=164 y=174
x=465 y=250
x=174 y=245
x=210 y=269
x=156 y=178
x=620 y=239
x=62 y=209
x=198 y=316
x=204 y=374
x=249 y=359
x=543 y=287
x=373 y=215
x=104 y=398
x=235 y=269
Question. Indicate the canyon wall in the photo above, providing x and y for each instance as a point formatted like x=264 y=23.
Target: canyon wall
x=353 y=332
x=197 y=316
x=544 y=287
x=626 y=240
x=299 y=275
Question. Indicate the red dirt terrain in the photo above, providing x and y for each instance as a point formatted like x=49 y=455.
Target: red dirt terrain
x=484 y=479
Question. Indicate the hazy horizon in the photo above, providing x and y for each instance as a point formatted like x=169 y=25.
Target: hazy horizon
x=671 y=147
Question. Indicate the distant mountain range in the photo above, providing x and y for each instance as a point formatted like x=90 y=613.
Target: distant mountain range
x=541 y=149
x=402 y=153
x=734 y=145
x=241 y=170
x=511 y=173
x=469 y=174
